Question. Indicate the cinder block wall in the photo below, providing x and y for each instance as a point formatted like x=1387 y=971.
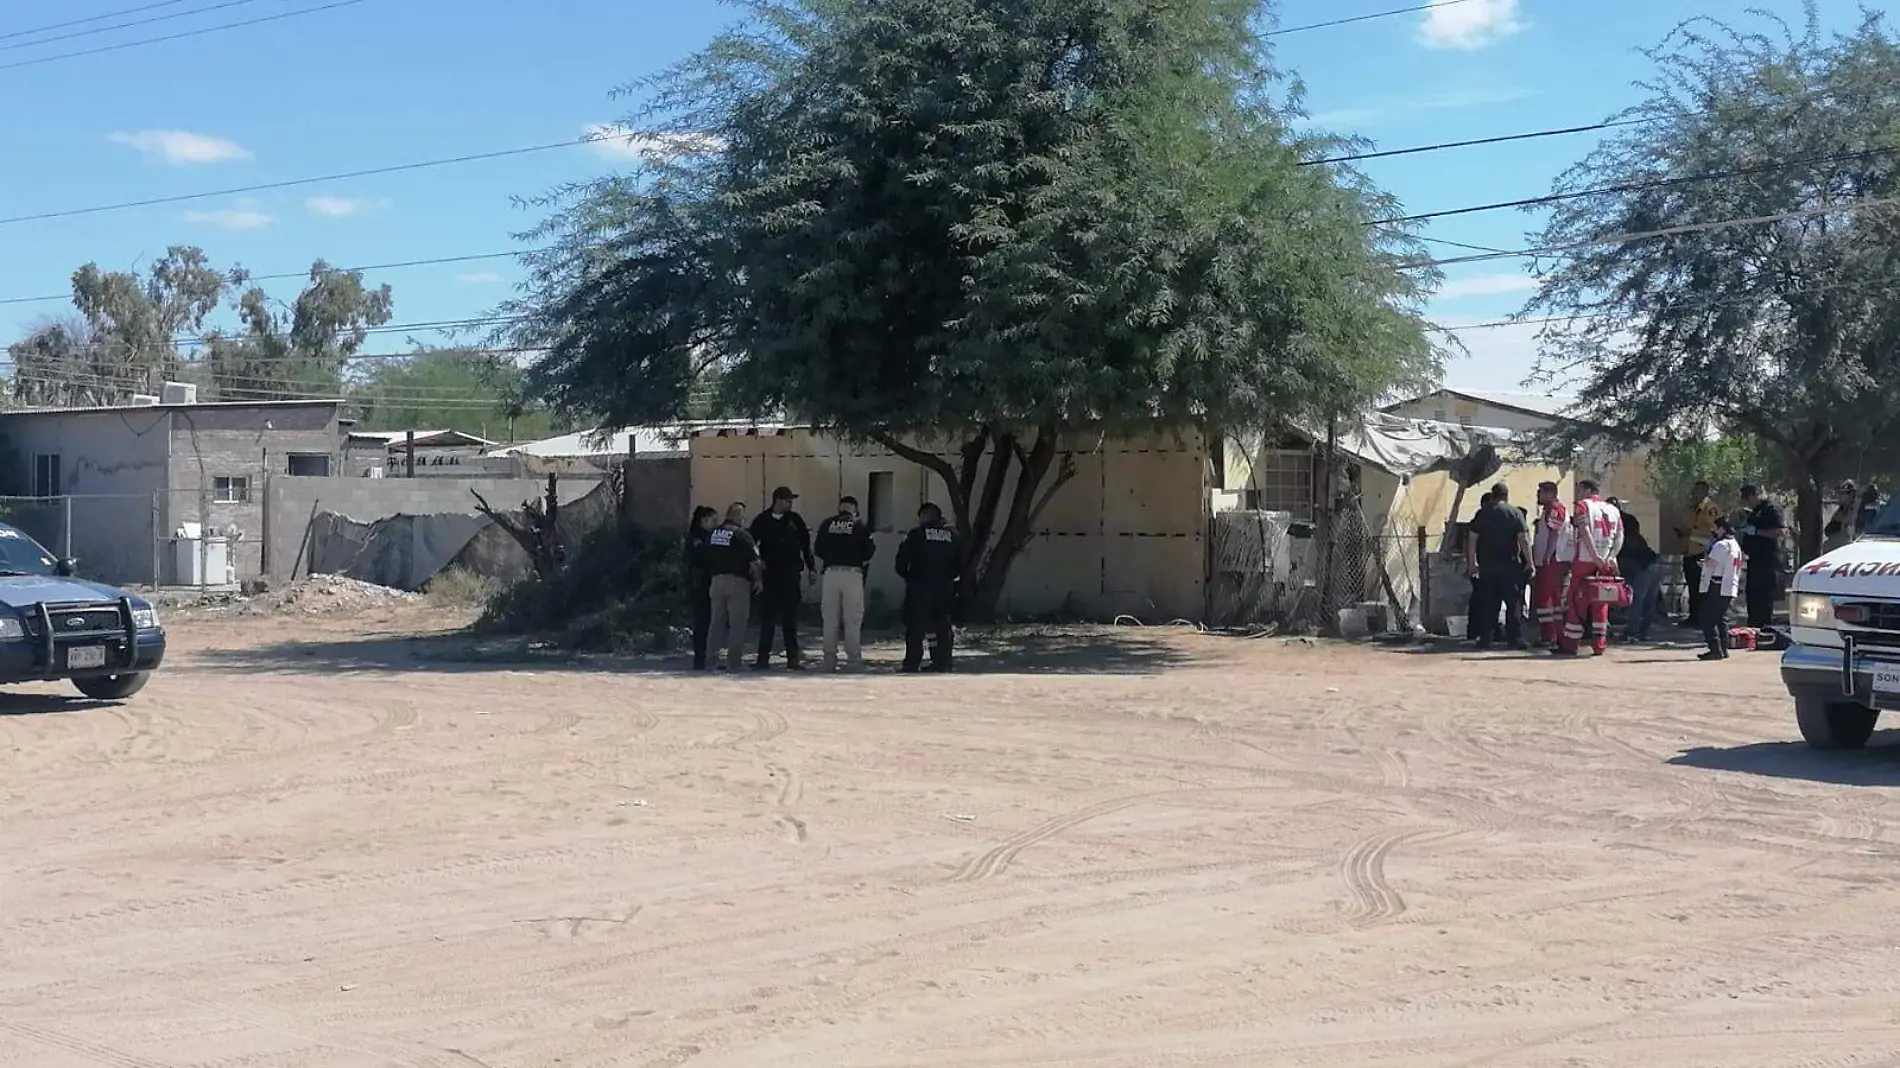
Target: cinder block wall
x=292 y=501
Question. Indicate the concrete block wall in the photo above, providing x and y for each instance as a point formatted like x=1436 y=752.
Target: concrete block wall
x=292 y=501
x=247 y=442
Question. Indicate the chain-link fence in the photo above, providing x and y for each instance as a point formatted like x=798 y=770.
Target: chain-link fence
x=143 y=539
x=1271 y=568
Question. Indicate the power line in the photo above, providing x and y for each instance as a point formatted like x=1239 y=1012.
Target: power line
x=37 y=60
x=290 y=183
x=1561 y=131
x=125 y=25
x=1365 y=18
x=283 y=276
x=11 y=34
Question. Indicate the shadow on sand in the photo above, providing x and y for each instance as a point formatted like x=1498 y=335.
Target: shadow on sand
x=981 y=651
x=45 y=704
x=1876 y=765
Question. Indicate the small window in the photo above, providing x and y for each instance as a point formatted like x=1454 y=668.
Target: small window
x=46 y=480
x=1439 y=415
x=230 y=489
x=309 y=465
x=878 y=510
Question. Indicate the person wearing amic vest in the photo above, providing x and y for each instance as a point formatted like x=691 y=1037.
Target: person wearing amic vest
x=732 y=558
x=1721 y=578
x=1761 y=544
x=1599 y=537
x=845 y=548
x=930 y=561
x=785 y=546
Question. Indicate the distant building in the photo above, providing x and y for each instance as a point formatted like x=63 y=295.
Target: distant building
x=111 y=486
x=367 y=450
x=639 y=441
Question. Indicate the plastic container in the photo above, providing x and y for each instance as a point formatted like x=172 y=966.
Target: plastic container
x=1352 y=623
x=1455 y=626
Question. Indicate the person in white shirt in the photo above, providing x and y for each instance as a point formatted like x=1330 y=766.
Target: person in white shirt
x=1598 y=530
x=1721 y=581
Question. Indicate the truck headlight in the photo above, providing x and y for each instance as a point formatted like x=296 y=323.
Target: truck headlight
x=145 y=618
x=11 y=628
x=1812 y=610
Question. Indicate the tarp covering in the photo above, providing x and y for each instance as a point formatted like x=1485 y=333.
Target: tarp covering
x=1408 y=447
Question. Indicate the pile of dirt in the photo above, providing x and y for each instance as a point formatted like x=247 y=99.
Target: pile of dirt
x=318 y=595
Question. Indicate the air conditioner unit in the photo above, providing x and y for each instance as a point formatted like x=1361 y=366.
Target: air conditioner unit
x=179 y=393
x=143 y=400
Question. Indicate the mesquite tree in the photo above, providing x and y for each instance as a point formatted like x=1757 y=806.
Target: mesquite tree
x=982 y=233
x=1764 y=302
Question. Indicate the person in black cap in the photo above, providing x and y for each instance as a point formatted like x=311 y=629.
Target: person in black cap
x=845 y=547
x=929 y=561
x=730 y=557
x=785 y=546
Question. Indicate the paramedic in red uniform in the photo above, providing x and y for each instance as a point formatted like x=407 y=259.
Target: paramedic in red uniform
x=1551 y=551
x=1598 y=528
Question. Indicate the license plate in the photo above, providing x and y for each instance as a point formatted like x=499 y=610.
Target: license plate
x=94 y=656
x=1887 y=679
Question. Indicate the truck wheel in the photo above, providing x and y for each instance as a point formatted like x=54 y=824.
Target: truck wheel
x=1834 y=724
x=112 y=687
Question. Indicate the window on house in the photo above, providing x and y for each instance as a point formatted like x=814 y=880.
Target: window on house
x=1439 y=415
x=310 y=465
x=1285 y=479
x=231 y=489
x=879 y=500
x=46 y=480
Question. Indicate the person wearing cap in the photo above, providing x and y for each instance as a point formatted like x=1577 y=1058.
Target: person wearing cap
x=845 y=548
x=785 y=546
x=930 y=561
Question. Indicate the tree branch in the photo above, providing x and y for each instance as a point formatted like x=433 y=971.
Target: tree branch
x=937 y=465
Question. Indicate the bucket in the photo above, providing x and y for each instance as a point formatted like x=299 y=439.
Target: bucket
x=1455 y=626
x=1352 y=623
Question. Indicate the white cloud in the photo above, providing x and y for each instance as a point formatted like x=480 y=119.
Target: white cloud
x=338 y=207
x=182 y=148
x=237 y=217
x=614 y=141
x=1486 y=285
x=481 y=278
x=1469 y=25
x=1498 y=357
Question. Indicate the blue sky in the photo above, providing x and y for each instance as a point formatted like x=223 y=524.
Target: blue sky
x=383 y=82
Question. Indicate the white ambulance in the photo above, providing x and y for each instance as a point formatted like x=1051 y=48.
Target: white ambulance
x=1843 y=669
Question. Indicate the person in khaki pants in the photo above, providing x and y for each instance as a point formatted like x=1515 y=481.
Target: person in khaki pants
x=730 y=555
x=845 y=547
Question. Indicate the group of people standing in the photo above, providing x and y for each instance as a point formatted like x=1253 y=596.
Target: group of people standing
x=1568 y=559
x=775 y=558
x=1578 y=560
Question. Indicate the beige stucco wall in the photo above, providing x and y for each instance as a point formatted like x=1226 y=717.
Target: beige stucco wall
x=1126 y=535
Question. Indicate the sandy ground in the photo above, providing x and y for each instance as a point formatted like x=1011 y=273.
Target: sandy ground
x=1171 y=850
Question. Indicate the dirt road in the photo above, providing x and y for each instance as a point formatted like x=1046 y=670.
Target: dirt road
x=1176 y=851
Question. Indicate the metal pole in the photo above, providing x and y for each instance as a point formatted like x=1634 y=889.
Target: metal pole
x=410 y=438
x=158 y=534
x=66 y=537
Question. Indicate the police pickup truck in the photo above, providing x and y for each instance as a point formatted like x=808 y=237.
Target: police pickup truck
x=54 y=626
x=1843 y=668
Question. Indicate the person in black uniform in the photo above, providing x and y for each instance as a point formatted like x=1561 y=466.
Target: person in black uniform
x=845 y=547
x=1761 y=543
x=699 y=579
x=732 y=558
x=1498 y=551
x=930 y=561
x=785 y=546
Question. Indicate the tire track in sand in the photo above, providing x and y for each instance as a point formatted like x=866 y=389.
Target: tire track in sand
x=1363 y=868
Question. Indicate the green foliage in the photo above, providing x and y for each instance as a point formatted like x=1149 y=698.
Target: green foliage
x=463 y=389
x=301 y=350
x=1787 y=332
x=1726 y=464
x=1005 y=222
x=620 y=589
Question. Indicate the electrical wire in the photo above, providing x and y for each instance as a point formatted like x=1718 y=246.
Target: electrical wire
x=125 y=25
x=1365 y=18
x=38 y=60
x=11 y=34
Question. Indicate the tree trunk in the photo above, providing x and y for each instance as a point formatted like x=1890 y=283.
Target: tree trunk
x=1026 y=506
x=1807 y=513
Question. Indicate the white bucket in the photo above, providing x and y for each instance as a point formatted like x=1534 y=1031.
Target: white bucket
x=1352 y=623
x=1455 y=626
